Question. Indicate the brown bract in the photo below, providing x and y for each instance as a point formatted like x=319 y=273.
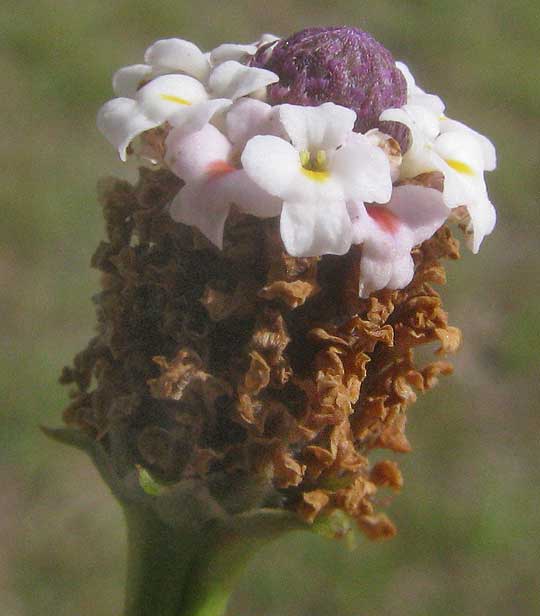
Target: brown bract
x=252 y=366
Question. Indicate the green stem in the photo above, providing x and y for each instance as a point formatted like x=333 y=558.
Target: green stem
x=159 y=558
x=188 y=567
x=193 y=573
x=225 y=555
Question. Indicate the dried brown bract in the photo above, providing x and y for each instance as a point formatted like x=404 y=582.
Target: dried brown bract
x=247 y=362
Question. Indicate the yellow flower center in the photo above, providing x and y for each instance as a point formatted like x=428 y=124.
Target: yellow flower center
x=314 y=165
x=175 y=99
x=460 y=167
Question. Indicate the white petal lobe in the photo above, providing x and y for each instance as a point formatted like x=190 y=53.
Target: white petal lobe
x=190 y=156
x=233 y=80
x=272 y=163
x=120 y=121
x=317 y=128
x=201 y=207
x=177 y=55
x=364 y=170
x=231 y=51
x=193 y=118
x=165 y=95
x=127 y=80
x=420 y=208
x=311 y=229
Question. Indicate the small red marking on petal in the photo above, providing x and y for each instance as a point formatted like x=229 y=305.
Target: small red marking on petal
x=384 y=218
x=219 y=168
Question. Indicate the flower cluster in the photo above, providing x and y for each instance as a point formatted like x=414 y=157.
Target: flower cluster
x=265 y=286
x=272 y=129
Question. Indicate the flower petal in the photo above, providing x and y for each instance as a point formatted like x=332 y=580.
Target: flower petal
x=402 y=272
x=483 y=218
x=488 y=149
x=194 y=117
x=202 y=206
x=177 y=54
x=127 y=80
x=376 y=228
x=419 y=208
x=417 y=96
x=431 y=102
x=325 y=127
x=313 y=229
x=249 y=197
x=190 y=155
x=249 y=117
x=120 y=120
x=462 y=151
x=375 y=274
x=411 y=83
x=389 y=232
x=421 y=160
x=420 y=120
x=361 y=222
x=239 y=53
x=231 y=51
x=386 y=260
x=386 y=246
x=363 y=169
x=424 y=127
x=272 y=163
x=233 y=80
x=162 y=97
x=461 y=161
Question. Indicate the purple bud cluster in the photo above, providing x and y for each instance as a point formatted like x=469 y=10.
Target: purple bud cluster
x=342 y=65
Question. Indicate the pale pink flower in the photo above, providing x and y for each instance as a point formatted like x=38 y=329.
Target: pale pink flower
x=389 y=232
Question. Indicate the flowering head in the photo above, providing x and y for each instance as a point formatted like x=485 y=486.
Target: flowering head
x=342 y=65
x=279 y=186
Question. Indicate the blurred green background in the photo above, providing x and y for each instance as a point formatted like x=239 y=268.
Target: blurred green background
x=469 y=540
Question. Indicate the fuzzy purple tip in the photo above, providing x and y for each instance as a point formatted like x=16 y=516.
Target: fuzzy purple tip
x=342 y=65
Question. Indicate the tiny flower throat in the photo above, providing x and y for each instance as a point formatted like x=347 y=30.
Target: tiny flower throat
x=314 y=165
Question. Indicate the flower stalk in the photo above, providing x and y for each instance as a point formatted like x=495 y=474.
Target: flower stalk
x=224 y=555
x=159 y=559
x=183 y=562
x=181 y=572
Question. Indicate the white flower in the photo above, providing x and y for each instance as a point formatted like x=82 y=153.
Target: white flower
x=240 y=53
x=178 y=99
x=203 y=159
x=461 y=154
x=416 y=96
x=325 y=166
x=175 y=55
x=249 y=117
x=166 y=56
x=389 y=232
x=463 y=157
x=176 y=85
x=424 y=125
x=488 y=149
x=231 y=79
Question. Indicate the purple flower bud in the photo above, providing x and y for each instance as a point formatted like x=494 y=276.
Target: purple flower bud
x=341 y=65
